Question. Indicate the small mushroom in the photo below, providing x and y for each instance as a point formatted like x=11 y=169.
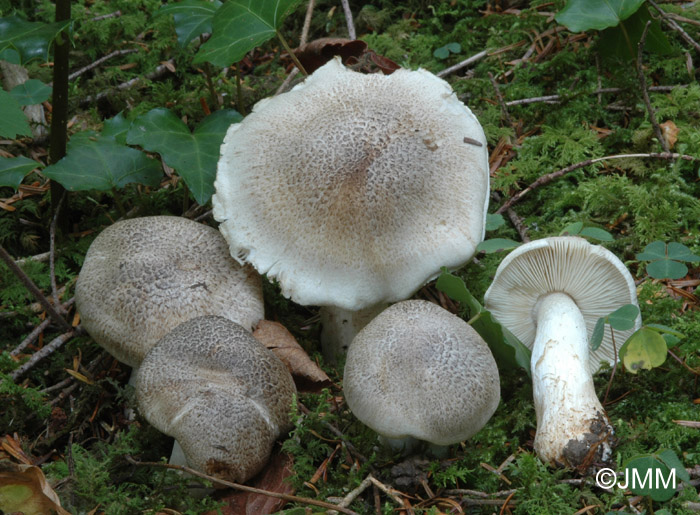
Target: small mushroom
x=419 y=372
x=352 y=190
x=220 y=393
x=550 y=293
x=142 y=277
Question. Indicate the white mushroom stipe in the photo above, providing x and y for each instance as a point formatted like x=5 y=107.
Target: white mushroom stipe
x=571 y=420
x=352 y=190
x=550 y=293
x=340 y=326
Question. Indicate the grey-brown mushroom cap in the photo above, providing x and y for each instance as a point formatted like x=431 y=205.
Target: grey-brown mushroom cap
x=354 y=189
x=220 y=393
x=596 y=280
x=417 y=370
x=143 y=277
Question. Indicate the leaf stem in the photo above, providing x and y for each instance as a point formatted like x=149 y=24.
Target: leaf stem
x=290 y=52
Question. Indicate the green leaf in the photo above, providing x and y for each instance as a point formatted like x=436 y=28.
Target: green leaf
x=505 y=346
x=496 y=245
x=494 y=221
x=102 y=164
x=680 y=252
x=582 y=15
x=668 y=457
x=621 y=41
x=623 y=318
x=645 y=349
x=441 y=53
x=13 y=122
x=647 y=475
x=572 y=229
x=655 y=250
x=192 y=18
x=598 y=333
x=116 y=128
x=455 y=48
x=10 y=55
x=241 y=25
x=31 y=39
x=660 y=328
x=31 y=92
x=596 y=233
x=13 y=170
x=193 y=155
x=666 y=269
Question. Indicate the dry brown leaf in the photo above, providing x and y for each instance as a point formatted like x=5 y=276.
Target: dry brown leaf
x=669 y=131
x=23 y=488
x=13 y=448
x=306 y=372
x=352 y=52
x=272 y=479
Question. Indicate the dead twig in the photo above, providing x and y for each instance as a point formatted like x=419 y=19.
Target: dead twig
x=115 y=14
x=463 y=64
x=307 y=23
x=355 y=493
x=546 y=179
x=159 y=71
x=670 y=21
x=645 y=93
x=52 y=256
x=244 y=488
x=45 y=351
x=387 y=490
x=31 y=337
x=348 y=19
x=514 y=219
x=34 y=290
x=553 y=99
x=101 y=60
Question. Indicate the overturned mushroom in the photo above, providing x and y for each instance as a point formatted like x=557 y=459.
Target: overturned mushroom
x=550 y=294
x=143 y=277
x=419 y=372
x=352 y=190
x=220 y=393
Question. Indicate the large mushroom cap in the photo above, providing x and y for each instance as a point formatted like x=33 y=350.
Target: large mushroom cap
x=418 y=370
x=220 y=393
x=595 y=279
x=142 y=277
x=354 y=189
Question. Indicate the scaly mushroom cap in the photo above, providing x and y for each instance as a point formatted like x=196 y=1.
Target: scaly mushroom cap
x=220 y=393
x=596 y=280
x=418 y=370
x=354 y=189
x=143 y=277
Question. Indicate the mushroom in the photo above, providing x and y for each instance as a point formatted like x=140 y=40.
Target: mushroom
x=142 y=277
x=550 y=293
x=419 y=372
x=352 y=190
x=220 y=393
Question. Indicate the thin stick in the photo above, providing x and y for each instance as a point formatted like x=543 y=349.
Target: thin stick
x=307 y=23
x=101 y=60
x=504 y=109
x=355 y=493
x=671 y=23
x=612 y=375
x=645 y=93
x=52 y=255
x=115 y=14
x=285 y=85
x=557 y=98
x=31 y=337
x=291 y=53
x=545 y=179
x=244 y=488
x=514 y=219
x=463 y=64
x=45 y=351
x=386 y=490
x=348 y=19
x=29 y=284
x=158 y=72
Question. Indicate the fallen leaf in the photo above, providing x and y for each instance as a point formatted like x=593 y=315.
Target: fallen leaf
x=23 y=488
x=307 y=374
x=669 y=131
x=353 y=53
x=13 y=448
x=272 y=479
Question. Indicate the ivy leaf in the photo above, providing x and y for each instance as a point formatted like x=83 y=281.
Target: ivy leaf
x=241 y=25
x=13 y=170
x=31 y=39
x=13 y=122
x=116 y=128
x=621 y=41
x=192 y=18
x=496 y=245
x=505 y=346
x=193 y=155
x=582 y=15
x=102 y=164
x=645 y=349
x=31 y=92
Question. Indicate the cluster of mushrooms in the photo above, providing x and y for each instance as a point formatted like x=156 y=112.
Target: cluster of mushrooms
x=352 y=191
